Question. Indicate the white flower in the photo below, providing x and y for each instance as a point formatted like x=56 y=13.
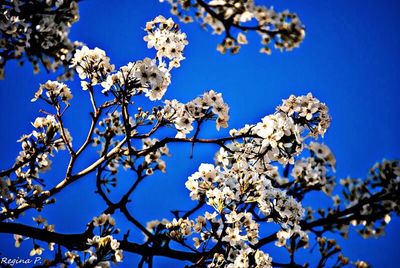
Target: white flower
x=18 y=240
x=103 y=219
x=71 y=256
x=232 y=236
x=37 y=250
x=54 y=90
x=118 y=255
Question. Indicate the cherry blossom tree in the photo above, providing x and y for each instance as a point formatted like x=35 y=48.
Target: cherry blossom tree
x=260 y=175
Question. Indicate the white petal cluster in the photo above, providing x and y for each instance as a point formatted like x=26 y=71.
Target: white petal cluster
x=242 y=228
x=177 y=229
x=229 y=188
x=92 y=64
x=164 y=35
x=103 y=219
x=148 y=76
x=106 y=248
x=34 y=158
x=207 y=107
x=45 y=136
x=244 y=175
x=308 y=112
x=55 y=92
x=384 y=175
x=280 y=136
x=153 y=160
x=323 y=152
x=71 y=256
x=313 y=171
x=240 y=232
x=36 y=250
x=38 y=31
x=143 y=76
x=275 y=138
x=309 y=172
x=242 y=258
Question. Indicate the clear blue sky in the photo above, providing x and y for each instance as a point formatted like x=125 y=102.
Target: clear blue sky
x=349 y=60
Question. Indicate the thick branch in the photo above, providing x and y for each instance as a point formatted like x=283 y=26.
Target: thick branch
x=344 y=216
x=78 y=242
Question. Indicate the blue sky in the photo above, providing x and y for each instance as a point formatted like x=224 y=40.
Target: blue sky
x=349 y=60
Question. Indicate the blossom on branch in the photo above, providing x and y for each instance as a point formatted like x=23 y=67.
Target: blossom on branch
x=234 y=18
x=37 y=31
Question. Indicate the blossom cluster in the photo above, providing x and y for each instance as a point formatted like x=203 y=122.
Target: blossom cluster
x=314 y=171
x=307 y=171
x=37 y=31
x=230 y=189
x=55 y=92
x=164 y=35
x=111 y=128
x=284 y=29
x=92 y=64
x=142 y=76
x=108 y=129
x=148 y=76
x=280 y=136
x=103 y=250
x=385 y=178
x=237 y=233
x=109 y=248
x=206 y=107
x=244 y=179
x=307 y=112
x=35 y=157
x=153 y=160
x=45 y=133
